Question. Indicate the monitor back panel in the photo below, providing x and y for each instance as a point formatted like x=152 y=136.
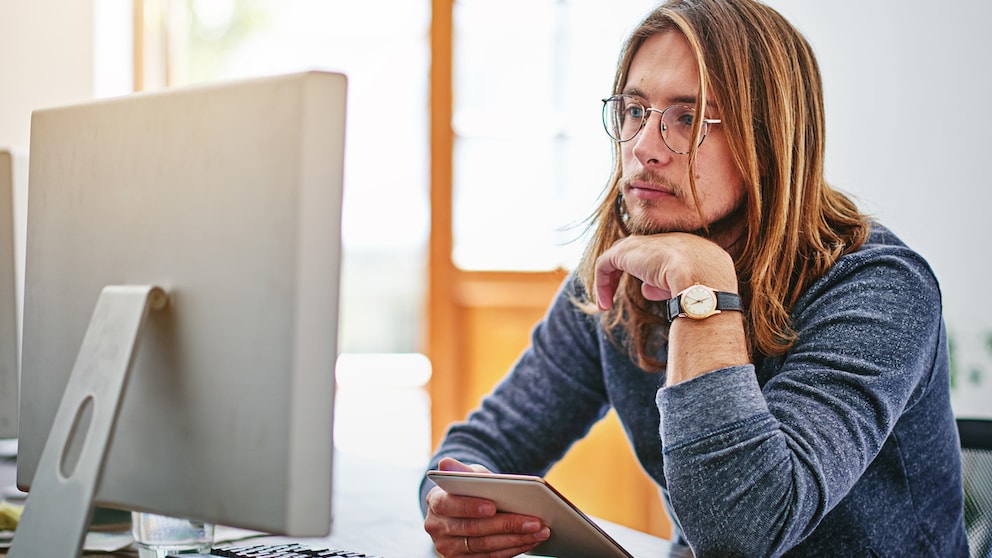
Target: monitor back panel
x=228 y=197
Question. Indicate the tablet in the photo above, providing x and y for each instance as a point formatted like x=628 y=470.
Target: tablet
x=573 y=534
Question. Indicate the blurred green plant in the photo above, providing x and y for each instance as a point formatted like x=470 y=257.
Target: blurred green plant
x=975 y=373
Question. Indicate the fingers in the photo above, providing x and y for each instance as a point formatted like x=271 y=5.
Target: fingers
x=493 y=546
x=664 y=263
x=607 y=280
x=452 y=464
x=636 y=256
x=465 y=526
x=502 y=535
x=442 y=504
x=650 y=292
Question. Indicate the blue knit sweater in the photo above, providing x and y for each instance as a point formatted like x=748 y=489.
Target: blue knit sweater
x=846 y=446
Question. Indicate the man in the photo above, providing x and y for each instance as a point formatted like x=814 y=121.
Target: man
x=778 y=360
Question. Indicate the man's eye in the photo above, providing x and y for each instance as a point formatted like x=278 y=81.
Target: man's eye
x=686 y=119
x=635 y=111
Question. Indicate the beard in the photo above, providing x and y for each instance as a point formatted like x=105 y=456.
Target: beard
x=640 y=222
x=726 y=230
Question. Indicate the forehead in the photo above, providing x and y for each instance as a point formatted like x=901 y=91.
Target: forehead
x=664 y=68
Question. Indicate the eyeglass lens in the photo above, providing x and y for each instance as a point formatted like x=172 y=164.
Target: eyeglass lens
x=624 y=116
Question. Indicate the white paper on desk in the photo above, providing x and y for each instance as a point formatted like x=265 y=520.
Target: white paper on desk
x=102 y=541
x=107 y=541
x=95 y=541
x=8 y=448
x=225 y=534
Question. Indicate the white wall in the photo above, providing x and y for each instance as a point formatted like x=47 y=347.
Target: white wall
x=909 y=134
x=46 y=59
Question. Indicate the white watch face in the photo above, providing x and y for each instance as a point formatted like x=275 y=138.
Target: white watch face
x=698 y=302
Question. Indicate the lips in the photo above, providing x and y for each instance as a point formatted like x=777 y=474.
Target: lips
x=648 y=190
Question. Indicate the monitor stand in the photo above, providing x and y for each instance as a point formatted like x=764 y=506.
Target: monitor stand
x=60 y=503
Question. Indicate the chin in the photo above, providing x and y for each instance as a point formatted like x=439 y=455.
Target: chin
x=645 y=225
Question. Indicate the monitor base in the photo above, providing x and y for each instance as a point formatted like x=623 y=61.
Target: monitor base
x=57 y=514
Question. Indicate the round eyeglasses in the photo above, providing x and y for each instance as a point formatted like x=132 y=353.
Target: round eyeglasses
x=624 y=117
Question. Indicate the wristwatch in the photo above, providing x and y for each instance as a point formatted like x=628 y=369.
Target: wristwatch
x=699 y=301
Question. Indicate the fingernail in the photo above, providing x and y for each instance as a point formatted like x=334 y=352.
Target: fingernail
x=531 y=526
x=543 y=534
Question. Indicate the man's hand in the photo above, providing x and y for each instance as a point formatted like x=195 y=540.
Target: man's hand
x=465 y=526
x=667 y=264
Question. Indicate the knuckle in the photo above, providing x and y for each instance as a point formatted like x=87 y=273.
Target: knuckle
x=432 y=526
x=512 y=523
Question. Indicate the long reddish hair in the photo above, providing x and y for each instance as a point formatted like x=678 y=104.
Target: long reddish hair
x=765 y=77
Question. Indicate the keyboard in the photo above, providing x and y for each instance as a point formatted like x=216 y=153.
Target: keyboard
x=289 y=550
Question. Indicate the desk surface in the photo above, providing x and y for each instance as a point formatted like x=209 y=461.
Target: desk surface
x=376 y=512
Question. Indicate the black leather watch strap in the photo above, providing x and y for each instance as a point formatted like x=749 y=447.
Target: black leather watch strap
x=673 y=307
x=724 y=302
x=728 y=301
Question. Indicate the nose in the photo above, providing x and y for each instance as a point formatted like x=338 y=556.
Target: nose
x=649 y=146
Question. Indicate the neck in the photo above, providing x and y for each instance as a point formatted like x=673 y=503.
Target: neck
x=729 y=231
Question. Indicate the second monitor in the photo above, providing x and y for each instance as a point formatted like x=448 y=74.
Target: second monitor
x=8 y=302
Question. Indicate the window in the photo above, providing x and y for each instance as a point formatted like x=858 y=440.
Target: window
x=383 y=48
x=531 y=157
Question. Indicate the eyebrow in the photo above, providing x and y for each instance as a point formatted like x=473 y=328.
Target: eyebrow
x=676 y=100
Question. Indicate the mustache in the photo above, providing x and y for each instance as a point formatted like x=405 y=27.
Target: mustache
x=653 y=178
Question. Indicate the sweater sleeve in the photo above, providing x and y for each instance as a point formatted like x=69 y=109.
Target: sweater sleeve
x=752 y=469
x=552 y=396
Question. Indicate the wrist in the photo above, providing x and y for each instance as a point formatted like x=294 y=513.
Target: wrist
x=699 y=302
x=696 y=347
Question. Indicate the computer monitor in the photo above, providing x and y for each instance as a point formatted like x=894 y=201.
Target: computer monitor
x=228 y=198
x=8 y=302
